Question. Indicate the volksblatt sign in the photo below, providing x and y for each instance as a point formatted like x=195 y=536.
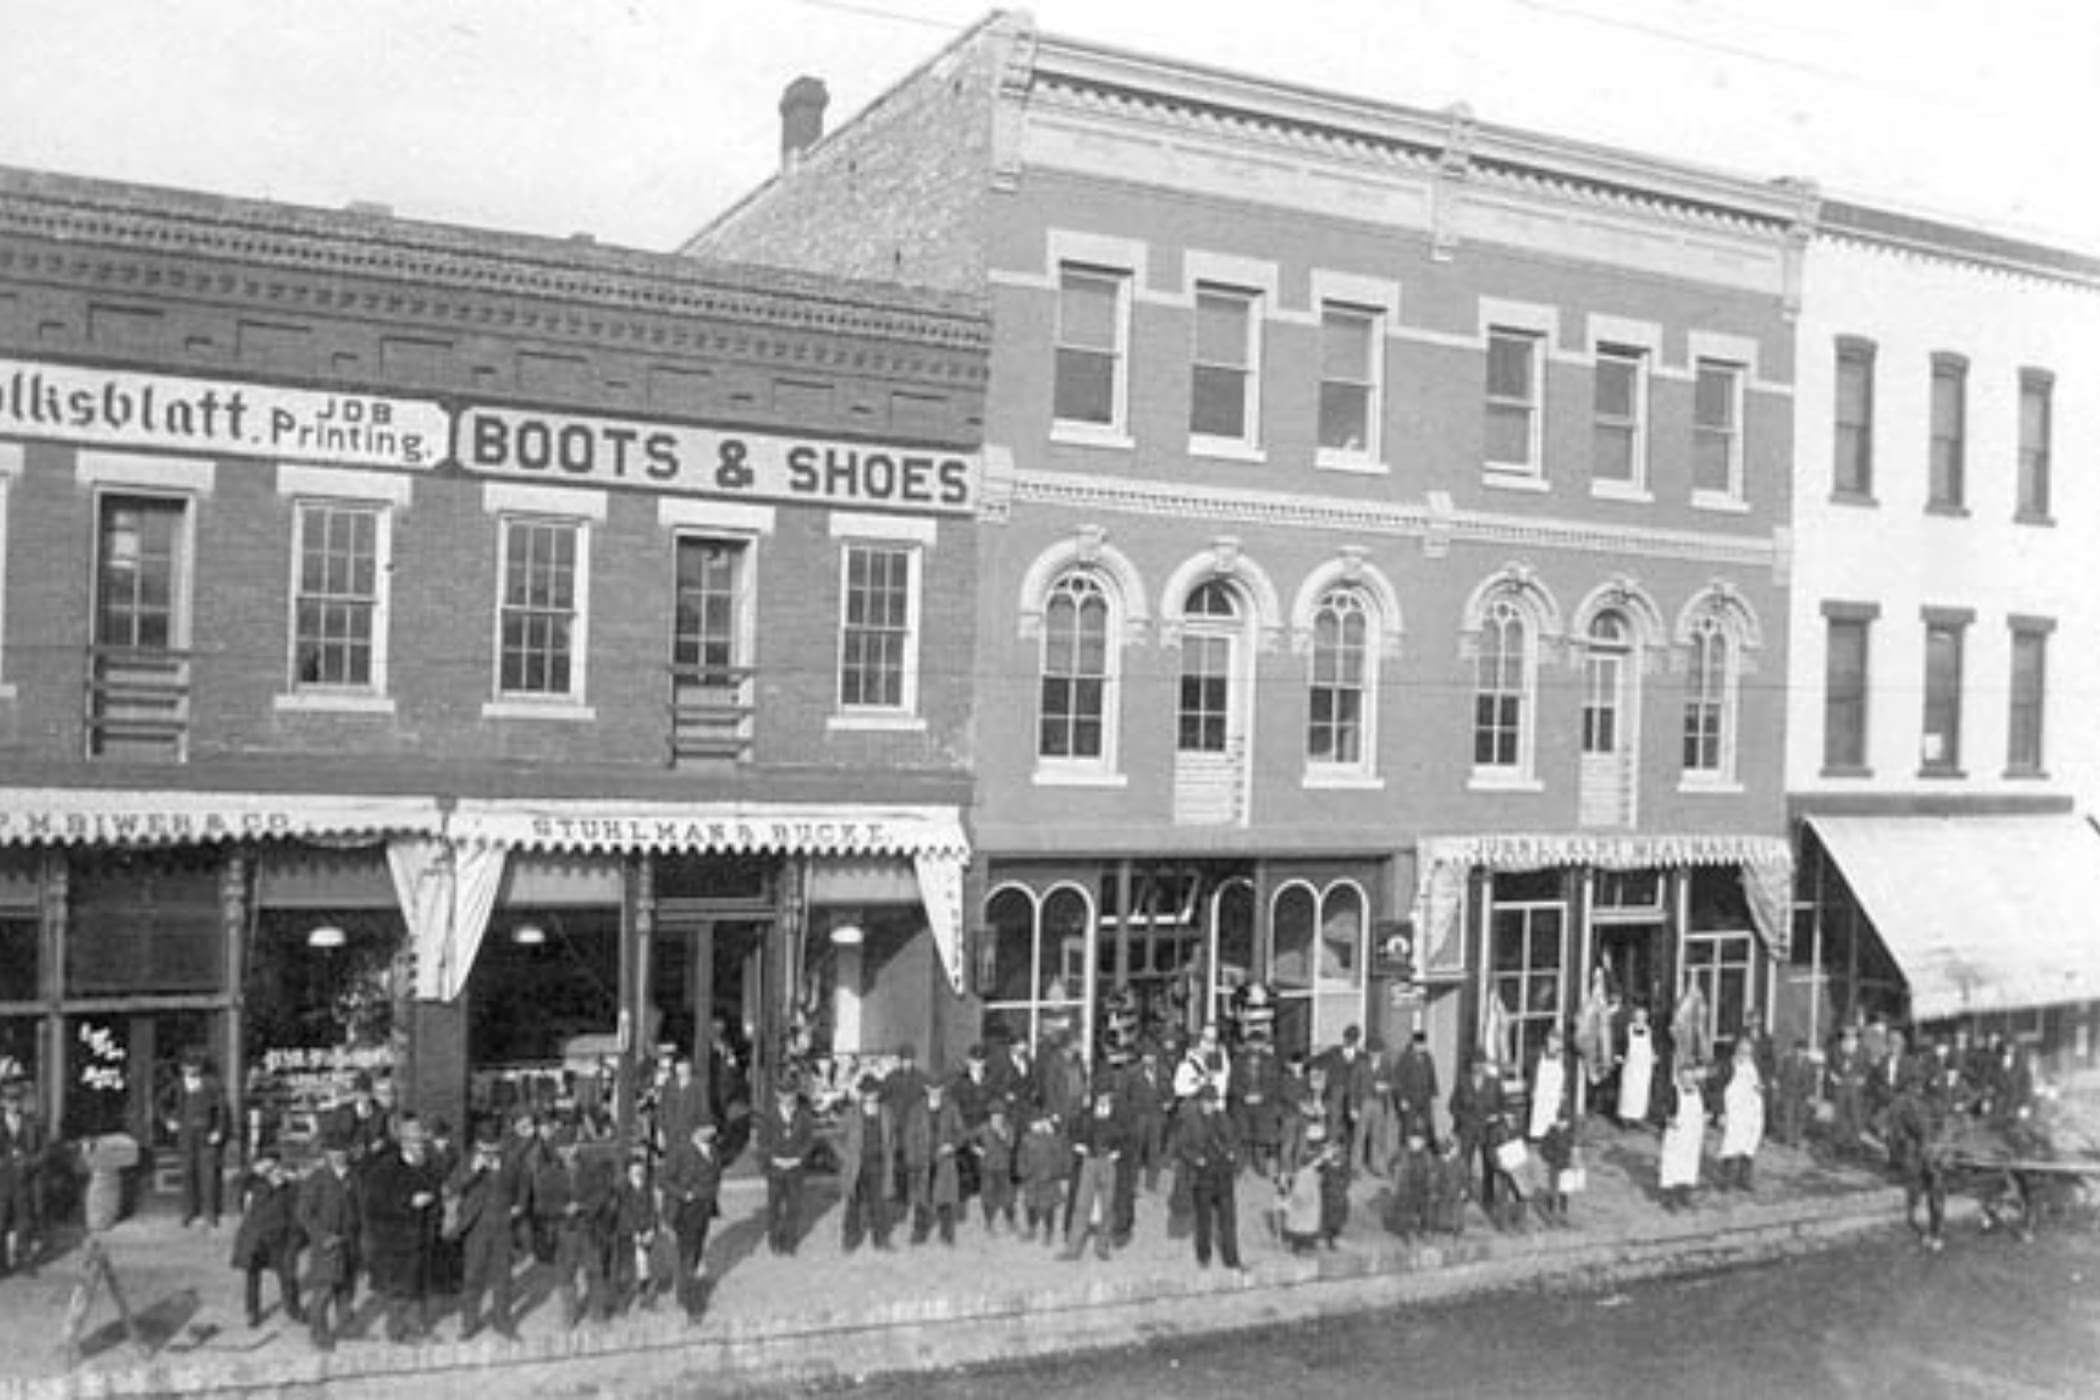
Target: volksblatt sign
x=711 y=462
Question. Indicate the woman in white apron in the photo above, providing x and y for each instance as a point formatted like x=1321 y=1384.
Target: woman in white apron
x=1683 y=1139
x=1637 y=1075
x=1742 y=1118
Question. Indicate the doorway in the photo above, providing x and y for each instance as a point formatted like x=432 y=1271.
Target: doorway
x=703 y=970
x=1632 y=953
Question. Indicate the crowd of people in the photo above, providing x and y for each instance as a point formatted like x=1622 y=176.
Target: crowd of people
x=1050 y=1150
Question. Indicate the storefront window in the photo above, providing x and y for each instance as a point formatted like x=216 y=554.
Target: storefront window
x=1293 y=920
x=1235 y=936
x=1035 y=984
x=145 y=921
x=21 y=966
x=544 y=978
x=1527 y=952
x=1719 y=949
x=20 y=1060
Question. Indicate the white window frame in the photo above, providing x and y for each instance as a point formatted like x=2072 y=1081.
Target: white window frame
x=1737 y=375
x=510 y=503
x=378 y=492
x=1533 y=468
x=1103 y=256
x=1520 y=775
x=1326 y=773
x=1723 y=777
x=914 y=537
x=1116 y=430
x=1078 y=1000
x=1380 y=301
x=1050 y=770
x=1641 y=343
x=1737 y=354
x=1256 y=281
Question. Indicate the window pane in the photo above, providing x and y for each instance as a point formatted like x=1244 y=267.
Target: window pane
x=1221 y=328
x=1345 y=417
x=1345 y=345
x=1086 y=387
x=1087 y=309
x=1218 y=406
x=1294 y=917
x=1714 y=397
x=1508 y=434
x=1509 y=366
x=1616 y=378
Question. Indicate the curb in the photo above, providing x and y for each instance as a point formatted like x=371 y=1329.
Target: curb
x=665 y=1356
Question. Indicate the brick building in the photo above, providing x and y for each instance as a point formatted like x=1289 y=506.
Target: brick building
x=465 y=655
x=1386 y=539
x=1941 y=757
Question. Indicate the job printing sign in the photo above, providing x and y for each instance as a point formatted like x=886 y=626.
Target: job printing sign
x=115 y=408
x=687 y=460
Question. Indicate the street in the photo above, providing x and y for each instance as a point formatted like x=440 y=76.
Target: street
x=1877 y=1318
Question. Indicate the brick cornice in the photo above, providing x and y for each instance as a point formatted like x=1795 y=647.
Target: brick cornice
x=176 y=243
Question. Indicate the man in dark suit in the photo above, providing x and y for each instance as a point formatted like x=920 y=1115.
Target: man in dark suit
x=1207 y=1145
x=572 y=1202
x=21 y=1155
x=785 y=1135
x=329 y=1216
x=1415 y=1089
x=196 y=1114
x=268 y=1237
x=481 y=1187
x=692 y=1183
x=1348 y=1087
x=400 y=1188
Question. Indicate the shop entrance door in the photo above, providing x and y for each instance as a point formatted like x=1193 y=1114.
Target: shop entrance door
x=702 y=968
x=1633 y=953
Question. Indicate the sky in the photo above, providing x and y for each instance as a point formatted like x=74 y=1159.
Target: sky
x=638 y=120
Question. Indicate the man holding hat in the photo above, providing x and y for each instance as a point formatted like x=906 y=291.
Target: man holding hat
x=400 y=1201
x=692 y=1183
x=481 y=1228
x=329 y=1218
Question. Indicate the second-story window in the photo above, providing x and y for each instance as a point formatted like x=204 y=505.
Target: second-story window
x=1515 y=361
x=1717 y=431
x=1350 y=351
x=540 y=619
x=338 y=599
x=1226 y=385
x=1619 y=436
x=1203 y=719
x=1852 y=470
x=1340 y=681
x=1950 y=411
x=1708 y=703
x=1501 y=690
x=1845 y=687
x=2035 y=390
x=1073 y=722
x=878 y=634
x=1940 y=746
x=2030 y=687
x=1093 y=327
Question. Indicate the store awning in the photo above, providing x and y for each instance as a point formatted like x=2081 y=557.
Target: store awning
x=712 y=828
x=119 y=817
x=1766 y=863
x=1981 y=913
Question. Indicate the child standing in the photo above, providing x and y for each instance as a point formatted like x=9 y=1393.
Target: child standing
x=996 y=1147
x=1449 y=1184
x=1414 y=1186
x=1044 y=1166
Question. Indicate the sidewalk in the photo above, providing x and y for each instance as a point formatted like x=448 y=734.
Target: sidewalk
x=821 y=1314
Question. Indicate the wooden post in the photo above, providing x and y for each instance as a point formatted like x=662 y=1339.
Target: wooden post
x=51 y=933
x=234 y=919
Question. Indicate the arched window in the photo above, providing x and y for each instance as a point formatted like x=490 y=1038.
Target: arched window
x=1210 y=640
x=1033 y=977
x=1709 y=703
x=1604 y=684
x=1338 y=733
x=1078 y=673
x=1502 y=690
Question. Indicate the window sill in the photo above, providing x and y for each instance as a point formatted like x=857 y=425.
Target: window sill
x=890 y=723
x=569 y=711
x=1948 y=509
x=1078 y=778
x=2047 y=522
x=1622 y=491
x=2026 y=775
x=1503 y=782
x=1227 y=449
x=1854 y=498
x=1720 y=501
x=1499 y=478
x=1317 y=780
x=1942 y=773
x=1847 y=771
x=1328 y=459
x=324 y=702
x=1091 y=435
x=1709 y=787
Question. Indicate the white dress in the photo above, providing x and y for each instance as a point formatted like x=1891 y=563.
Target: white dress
x=1637 y=1075
x=1682 y=1140
x=1546 y=1090
x=1742 y=1111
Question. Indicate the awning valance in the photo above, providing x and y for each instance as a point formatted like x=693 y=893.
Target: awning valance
x=1766 y=863
x=1981 y=913
x=712 y=828
x=119 y=817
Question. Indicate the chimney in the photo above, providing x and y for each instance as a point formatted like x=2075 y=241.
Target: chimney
x=801 y=118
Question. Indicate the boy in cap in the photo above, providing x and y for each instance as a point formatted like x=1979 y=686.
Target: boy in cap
x=1045 y=1163
x=692 y=1186
x=268 y=1237
x=995 y=1148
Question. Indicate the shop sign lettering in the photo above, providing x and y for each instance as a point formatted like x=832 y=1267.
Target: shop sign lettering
x=112 y=408
x=710 y=462
x=660 y=833
x=32 y=824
